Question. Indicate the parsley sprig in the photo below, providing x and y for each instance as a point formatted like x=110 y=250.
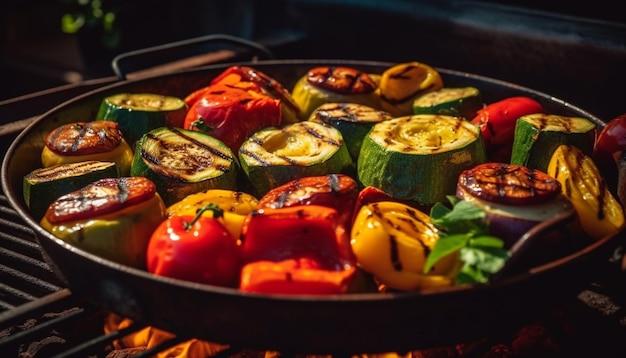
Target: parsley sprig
x=463 y=228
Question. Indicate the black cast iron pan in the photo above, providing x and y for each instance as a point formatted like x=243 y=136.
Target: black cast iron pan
x=355 y=323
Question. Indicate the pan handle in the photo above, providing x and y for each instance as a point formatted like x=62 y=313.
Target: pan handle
x=198 y=50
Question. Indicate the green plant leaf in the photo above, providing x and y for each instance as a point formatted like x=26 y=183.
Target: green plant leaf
x=443 y=247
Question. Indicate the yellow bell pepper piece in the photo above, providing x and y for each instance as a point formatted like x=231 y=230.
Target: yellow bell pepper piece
x=402 y=83
x=599 y=212
x=236 y=206
x=391 y=241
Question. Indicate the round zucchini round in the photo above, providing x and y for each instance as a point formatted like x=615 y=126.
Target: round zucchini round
x=138 y=113
x=353 y=120
x=538 y=135
x=452 y=101
x=182 y=162
x=44 y=185
x=419 y=157
x=274 y=156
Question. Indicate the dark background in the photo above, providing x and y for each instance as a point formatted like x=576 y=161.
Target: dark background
x=575 y=52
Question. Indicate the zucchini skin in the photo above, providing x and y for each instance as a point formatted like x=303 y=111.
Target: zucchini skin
x=353 y=120
x=451 y=101
x=395 y=159
x=274 y=156
x=538 y=135
x=44 y=185
x=181 y=162
x=138 y=113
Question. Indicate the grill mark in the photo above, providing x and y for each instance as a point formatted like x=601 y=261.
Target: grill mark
x=322 y=137
x=259 y=159
x=394 y=254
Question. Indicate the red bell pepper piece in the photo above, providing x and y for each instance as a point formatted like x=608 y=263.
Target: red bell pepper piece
x=232 y=113
x=497 y=124
x=337 y=191
x=298 y=250
x=270 y=86
x=293 y=276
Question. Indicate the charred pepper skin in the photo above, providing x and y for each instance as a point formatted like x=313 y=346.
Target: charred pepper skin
x=300 y=249
x=600 y=213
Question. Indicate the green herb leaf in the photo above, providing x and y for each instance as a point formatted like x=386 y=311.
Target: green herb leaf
x=445 y=247
x=464 y=230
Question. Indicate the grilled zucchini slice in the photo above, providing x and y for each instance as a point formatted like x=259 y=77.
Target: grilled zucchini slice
x=419 y=158
x=182 y=162
x=538 y=135
x=274 y=156
x=44 y=185
x=353 y=120
x=138 y=113
x=452 y=101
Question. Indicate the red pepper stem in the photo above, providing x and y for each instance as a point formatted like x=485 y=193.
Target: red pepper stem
x=217 y=213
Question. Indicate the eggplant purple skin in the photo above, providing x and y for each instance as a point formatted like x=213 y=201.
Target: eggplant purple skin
x=538 y=240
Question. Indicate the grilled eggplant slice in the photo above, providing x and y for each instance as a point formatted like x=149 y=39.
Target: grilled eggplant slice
x=274 y=156
x=182 y=162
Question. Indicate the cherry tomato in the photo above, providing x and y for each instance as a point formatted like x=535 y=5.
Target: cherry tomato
x=497 y=124
x=198 y=249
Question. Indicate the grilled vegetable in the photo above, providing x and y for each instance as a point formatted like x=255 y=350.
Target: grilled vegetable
x=274 y=156
x=402 y=83
x=452 y=101
x=195 y=248
x=235 y=206
x=337 y=191
x=609 y=150
x=234 y=74
x=391 y=241
x=182 y=162
x=42 y=186
x=419 y=157
x=463 y=232
x=334 y=84
x=353 y=121
x=112 y=218
x=538 y=135
x=138 y=113
x=581 y=181
x=83 y=141
x=515 y=199
x=497 y=124
x=311 y=255
x=231 y=113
